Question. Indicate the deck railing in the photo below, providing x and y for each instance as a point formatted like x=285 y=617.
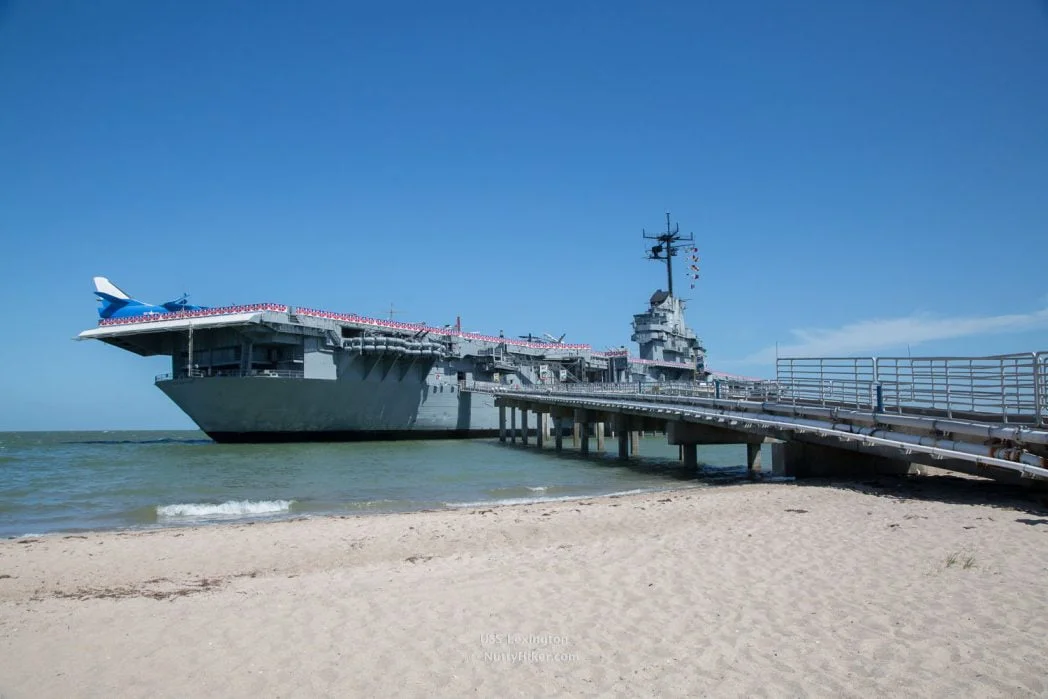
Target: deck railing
x=827 y=381
x=749 y=390
x=205 y=374
x=1008 y=387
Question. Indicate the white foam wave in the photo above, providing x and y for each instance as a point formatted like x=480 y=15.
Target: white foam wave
x=232 y=508
x=538 y=489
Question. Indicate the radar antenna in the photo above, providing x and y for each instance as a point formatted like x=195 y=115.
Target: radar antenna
x=667 y=247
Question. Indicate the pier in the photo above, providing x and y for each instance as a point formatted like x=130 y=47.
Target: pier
x=825 y=417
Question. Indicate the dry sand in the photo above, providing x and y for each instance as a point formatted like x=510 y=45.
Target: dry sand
x=909 y=589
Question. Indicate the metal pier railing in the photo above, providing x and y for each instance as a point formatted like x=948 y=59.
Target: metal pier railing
x=1010 y=388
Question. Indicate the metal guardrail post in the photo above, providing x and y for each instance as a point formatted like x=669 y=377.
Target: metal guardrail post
x=1040 y=387
x=1001 y=394
x=971 y=380
x=822 y=381
x=946 y=372
x=878 y=395
x=935 y=394
x=855 y=383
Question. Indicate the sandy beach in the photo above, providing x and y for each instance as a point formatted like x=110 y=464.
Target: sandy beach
x=933 y=587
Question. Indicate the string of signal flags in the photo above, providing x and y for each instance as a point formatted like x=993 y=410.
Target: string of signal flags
x=693 y=266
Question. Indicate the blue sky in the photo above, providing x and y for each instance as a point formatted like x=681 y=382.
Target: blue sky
x=860 y=176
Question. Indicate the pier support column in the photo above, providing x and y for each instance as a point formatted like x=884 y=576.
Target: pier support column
x=690 y=455
x=634 y=443
x=542 y=429
x=582 y=427
x=600 y=436
x=623 y=433
x=805 y=460
x=575 y=431
x=502 y=423
x=558 y=433
x=753 y=459
x=524 y=426
x=513 y=425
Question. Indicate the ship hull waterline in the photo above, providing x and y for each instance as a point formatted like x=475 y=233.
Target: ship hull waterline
x=262 y=409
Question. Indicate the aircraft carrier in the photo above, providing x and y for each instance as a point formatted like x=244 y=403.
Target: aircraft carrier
x=272 y=372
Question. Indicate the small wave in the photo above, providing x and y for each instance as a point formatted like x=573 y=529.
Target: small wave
x=159 y=440
x=232 y=508
x=512 y=501
x=538 y=500
x=514 y=491
x=369 y=504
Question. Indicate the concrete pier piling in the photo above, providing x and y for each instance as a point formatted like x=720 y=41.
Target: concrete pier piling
x=622 y=430
x=582 y=430
x=805 y=460
x=690 y=455
x=753 y=458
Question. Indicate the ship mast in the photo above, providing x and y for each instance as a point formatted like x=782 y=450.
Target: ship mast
x=667 y=247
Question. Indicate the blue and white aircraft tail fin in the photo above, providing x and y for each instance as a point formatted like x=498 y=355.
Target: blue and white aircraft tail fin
x=116 y=304
x=104 y=286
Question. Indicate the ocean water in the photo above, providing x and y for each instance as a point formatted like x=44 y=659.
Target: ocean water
x=66 y=481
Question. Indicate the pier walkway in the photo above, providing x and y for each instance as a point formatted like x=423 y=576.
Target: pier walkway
x=986 y=416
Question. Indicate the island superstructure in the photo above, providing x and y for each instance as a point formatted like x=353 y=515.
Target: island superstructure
x=273 y=372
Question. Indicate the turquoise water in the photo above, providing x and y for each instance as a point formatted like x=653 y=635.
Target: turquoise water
x=61 y=481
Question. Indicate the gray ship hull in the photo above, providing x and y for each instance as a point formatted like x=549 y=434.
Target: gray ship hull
x=256 y=409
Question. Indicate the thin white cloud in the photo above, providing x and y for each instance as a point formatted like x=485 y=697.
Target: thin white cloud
x=872 y=336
